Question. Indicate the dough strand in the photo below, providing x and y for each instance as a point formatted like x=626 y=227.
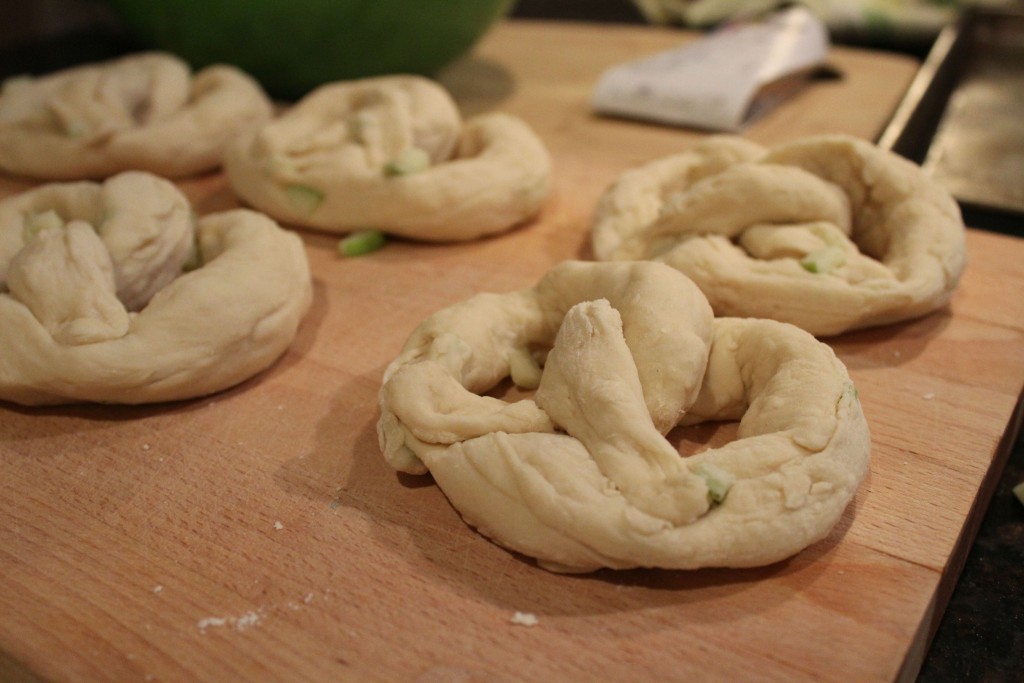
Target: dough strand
x=115 y=293
x=580 y=475
x=829 y=233
x=145 y=112
x=392 y=153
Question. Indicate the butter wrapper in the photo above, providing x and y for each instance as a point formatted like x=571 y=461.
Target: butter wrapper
x=721 y=81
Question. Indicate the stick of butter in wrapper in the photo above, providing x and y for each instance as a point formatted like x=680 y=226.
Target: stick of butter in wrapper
x=721 y=81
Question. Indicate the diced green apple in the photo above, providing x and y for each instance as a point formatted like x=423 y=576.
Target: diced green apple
x=824 y=260
x=304 y=198
x=35 y=223
x=409 y=161
x=718 y=481
x=362 y=242
x=524 y=369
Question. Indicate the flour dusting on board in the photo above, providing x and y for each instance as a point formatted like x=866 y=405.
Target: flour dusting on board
x=524 y=619
x=246 y=621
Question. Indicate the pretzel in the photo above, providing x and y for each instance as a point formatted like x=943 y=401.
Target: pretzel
x=391 y=153
x=581 y=476
x=95 y=306
x=145 y=111
x=828 y=233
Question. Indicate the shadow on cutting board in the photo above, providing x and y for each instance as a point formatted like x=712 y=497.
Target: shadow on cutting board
x=477 y=84
x=412 y=519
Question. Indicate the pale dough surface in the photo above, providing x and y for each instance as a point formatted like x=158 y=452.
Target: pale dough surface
x=326 y=163
x=95 y=306
x=145 y=111
x=829 y=233
x=580 y=475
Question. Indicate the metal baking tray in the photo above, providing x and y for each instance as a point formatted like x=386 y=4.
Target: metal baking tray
x=962 y=118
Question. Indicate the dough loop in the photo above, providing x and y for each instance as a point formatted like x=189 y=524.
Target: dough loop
x=95 y=306
x=144 y=112
x=391 y=153
x=580 y=476
x=828 y=233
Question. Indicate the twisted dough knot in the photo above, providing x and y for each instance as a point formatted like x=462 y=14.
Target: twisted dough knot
x=580 y=476
x=143 y=112
x=95 y=306
x=827 y=233
x=391 y=153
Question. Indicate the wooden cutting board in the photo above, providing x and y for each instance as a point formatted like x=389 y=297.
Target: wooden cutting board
x=257 y=534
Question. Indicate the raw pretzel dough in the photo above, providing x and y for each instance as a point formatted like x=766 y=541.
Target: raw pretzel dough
x=94 y=305
x=141 y=112
x=335 y=162
x=581 y=476
x=750 y=225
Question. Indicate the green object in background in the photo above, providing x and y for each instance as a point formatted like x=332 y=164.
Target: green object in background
x=292 y=46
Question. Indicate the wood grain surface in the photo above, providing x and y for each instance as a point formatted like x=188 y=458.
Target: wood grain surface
x=258 y=535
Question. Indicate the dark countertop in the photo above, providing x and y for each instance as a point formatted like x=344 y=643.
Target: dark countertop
x=981 y=636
